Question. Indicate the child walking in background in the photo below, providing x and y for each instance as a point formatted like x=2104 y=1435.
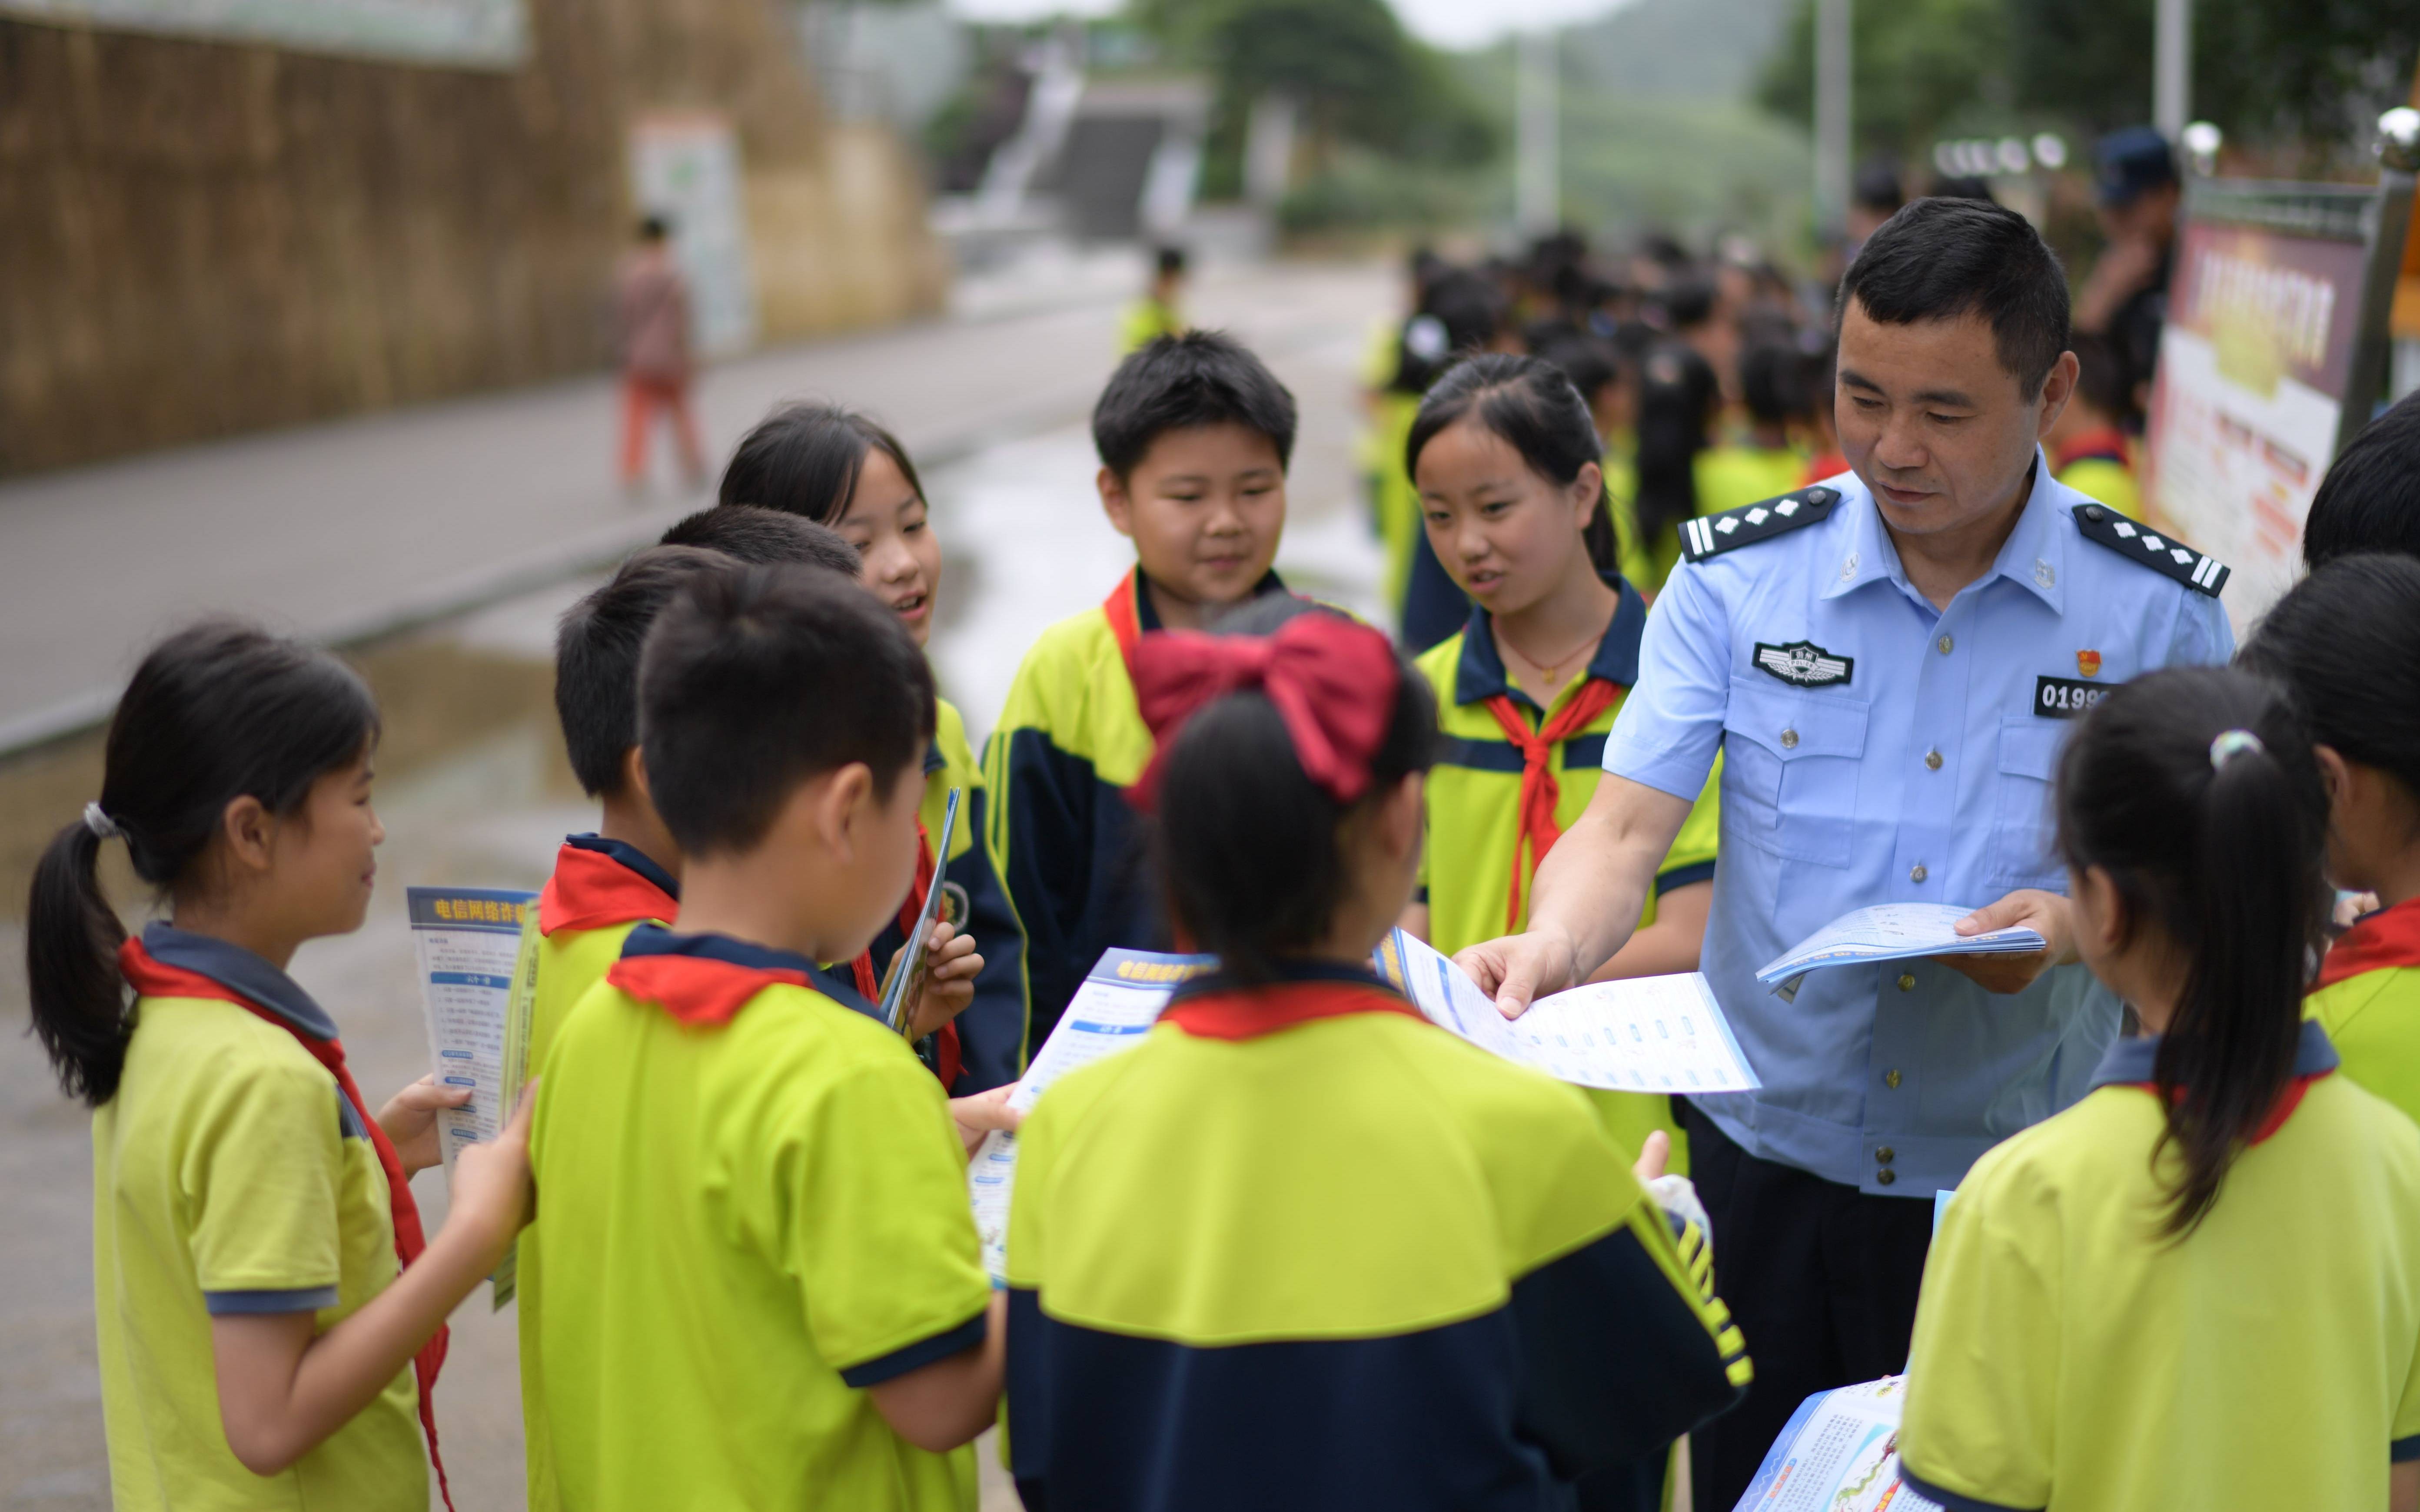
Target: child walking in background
x=651 y=306
x=2342 y=643
x=258 y=1347
x=1301 y=1248
x=2195 y=1288
x=1194 y=434
x=842 y=471
x=761 y=1272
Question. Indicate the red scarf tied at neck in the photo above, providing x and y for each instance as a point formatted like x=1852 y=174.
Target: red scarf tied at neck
x=1333 y=683
x=1540 y=790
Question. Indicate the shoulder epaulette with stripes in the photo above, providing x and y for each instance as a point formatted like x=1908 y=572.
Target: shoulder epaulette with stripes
x=2166 y=554
x=1711 y=536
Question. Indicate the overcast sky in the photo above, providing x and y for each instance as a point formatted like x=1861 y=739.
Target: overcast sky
x=1445 y=23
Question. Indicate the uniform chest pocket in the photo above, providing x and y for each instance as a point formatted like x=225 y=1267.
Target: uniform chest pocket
x=2024 y=830
x=1790 y=763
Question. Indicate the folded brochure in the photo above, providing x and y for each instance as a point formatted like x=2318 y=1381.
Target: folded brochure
x=1651 y=1034
x=1840 y=1453
x=909 y=966
x=1891 y=932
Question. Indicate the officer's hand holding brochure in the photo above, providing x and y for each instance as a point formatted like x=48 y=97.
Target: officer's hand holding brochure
x=1890 y=932
x=1840 y=1454
x=1655 y=1034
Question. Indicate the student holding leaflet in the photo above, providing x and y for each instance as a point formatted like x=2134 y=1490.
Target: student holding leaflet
x=1888 y=664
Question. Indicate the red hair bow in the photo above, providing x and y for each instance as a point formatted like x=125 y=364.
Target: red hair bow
x=1333 y=682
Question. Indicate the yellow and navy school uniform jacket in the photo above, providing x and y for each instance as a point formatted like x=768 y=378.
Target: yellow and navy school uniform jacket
x=2368 y=998
x=2070 y=1356
x=2098 y=466
x=1474 y=872
x=1070 y=741
x=1301 y=1248
x=991 y=1031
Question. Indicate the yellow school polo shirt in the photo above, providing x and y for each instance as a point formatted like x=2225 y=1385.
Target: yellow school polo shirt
x=1474 y=813
x=2368 y=1000
x=1733 y=477
x=742 y=1226
x=2068 y=1356
x=230 y=1176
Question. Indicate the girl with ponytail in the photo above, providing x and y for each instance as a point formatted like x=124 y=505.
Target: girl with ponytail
x=1302 y=1249
x=258 y=1347
x=2192 y=1287
x=1506 y=455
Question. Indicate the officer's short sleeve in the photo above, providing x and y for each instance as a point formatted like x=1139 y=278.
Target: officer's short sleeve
x=263 y=1172
x=1671 y=721
x=880 y=1238
x=2203 y=636
x=1692 y=856
x=1983 y=1369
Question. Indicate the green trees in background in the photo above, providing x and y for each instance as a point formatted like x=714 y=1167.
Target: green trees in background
x=2308 y=73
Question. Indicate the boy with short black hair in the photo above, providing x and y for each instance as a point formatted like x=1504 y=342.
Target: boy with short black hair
x=765 y=537
x=2370 y=499
x=777 y=1295
x=1194 y=435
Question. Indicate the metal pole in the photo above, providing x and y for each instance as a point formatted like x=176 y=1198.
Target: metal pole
x=2172 y=67
x=1538 y=188
x=2390 y=219
x=1831 y=148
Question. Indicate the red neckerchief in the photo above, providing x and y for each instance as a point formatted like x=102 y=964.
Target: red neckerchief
x=151 y=979
x=590 y=889
x=1125 y=620
x=1247 y=1014
x=2287 y=1101
x=2389 y=937
x=1829 y=465
x=697 y=990
x=2105 y=443
x=1539 y=789
x=948 y=1058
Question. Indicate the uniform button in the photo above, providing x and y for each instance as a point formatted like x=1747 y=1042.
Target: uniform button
x=1906 y=984
x=1790 y=740
x=1884 y=1177
x=1945 y=643
x=1917 y=873
x=1890 y=1079
x=1885 y=1155
x=1932 y=761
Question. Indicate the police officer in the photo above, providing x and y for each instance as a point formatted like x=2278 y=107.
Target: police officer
x=1889 y=661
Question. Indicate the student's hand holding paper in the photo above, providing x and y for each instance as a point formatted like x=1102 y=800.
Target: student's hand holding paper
x=948 y=985
x=410 y=1120
x=2046 y=914
x=985 y=1112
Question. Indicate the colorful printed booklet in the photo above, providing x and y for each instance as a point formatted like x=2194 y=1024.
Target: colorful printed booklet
x=1839 y=1454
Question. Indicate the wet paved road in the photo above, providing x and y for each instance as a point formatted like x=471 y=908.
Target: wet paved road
x=475 y=793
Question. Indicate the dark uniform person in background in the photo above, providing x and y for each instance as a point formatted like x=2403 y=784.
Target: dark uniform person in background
x=2125 y=301
x=1889 y=663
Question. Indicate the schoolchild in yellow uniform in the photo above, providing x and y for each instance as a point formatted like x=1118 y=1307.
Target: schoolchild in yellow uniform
x=1767 y=462
x=1678 y=395
x=1301 y=1248
x=2089 y=447
x=2342 y=643
x=839 y=468
x=2196 y=1287
x=271 y=1316
x=1194 y=435
x=1158 y=312
x=761 y=1272
x=1460 y=311
x=1514 y=503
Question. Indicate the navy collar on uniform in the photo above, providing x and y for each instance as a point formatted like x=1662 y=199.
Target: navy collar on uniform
x=1147 y=617
x=2034 y=557
x=239 y=970
x=630 y=857
x=1290 y=970
x=654 y=939
x=2131 y=1062
x=933 y=760
x=1478 y=675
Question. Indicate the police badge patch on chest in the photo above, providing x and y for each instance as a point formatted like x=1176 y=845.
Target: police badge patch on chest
x=1804 y=664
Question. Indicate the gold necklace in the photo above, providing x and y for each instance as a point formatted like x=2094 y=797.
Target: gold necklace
x=1549 y=673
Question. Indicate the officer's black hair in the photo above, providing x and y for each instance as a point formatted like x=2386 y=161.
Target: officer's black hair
x=804 y=459
x=596 y=645
x=2342 y=642
x=766 y=538
x=2370 y=499
x=1246 y=843
x=1940 y=259
x=2222 y=855
x=218 y=711
x=1181 y=382
x=1677 y=394
x=755 y=680
x=1529 y=404
x=1773 y=381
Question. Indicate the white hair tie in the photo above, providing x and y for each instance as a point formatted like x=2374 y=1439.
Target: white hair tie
x=2231 y=744
x=100 y=824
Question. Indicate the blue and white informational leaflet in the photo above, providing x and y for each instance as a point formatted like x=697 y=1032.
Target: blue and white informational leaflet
x=1119 y=1000
x=468 y=941
x=1648 y=1034
x=1840 y=1454
x=1890 y=932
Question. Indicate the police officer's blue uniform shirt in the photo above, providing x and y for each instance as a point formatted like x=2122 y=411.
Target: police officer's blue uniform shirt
x=1882 y=752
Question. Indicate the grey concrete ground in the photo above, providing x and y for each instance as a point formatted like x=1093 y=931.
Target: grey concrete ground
x=352 y=520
